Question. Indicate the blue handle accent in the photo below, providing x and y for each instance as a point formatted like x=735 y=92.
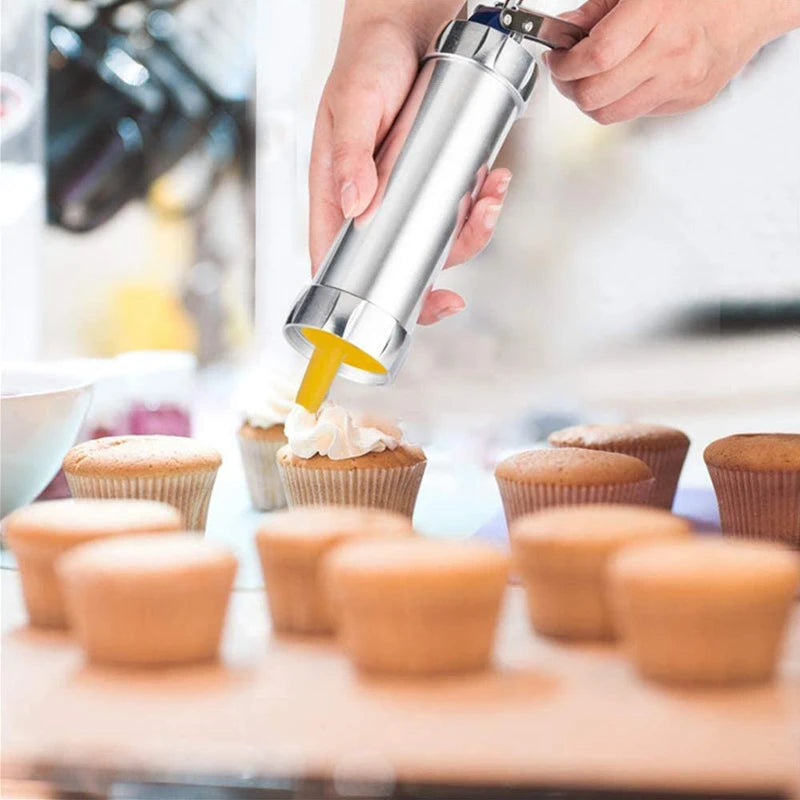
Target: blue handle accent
x=489 y=17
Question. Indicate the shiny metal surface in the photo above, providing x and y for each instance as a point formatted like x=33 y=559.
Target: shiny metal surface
x=358 y=321
x=471 y=88
x=550 y=31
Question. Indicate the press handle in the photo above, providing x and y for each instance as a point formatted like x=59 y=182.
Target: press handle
x=552 y=32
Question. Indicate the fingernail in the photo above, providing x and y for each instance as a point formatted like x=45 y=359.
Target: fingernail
x=503 y=187
x=349 y=200
x=447 y=311
x=491 y=216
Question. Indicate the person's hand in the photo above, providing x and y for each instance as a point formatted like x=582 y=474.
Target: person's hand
x=375 y=67
x=662 y=56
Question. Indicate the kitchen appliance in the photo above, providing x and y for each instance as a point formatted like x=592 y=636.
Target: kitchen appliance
x=357 y=317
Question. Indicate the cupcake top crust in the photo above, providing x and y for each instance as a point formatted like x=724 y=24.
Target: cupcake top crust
x=601 y=524
x=311 y=529
x=573 y=466
x=66 y=520
x=651 y=437
x=417 y=561
x=697 y=567
x=141 y=456
x=756 y=451
x=137 y=558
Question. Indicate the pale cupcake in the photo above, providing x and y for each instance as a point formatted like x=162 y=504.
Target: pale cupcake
x=704 y=612
x=756 y=477
x=40 y=533
x=562 y=554
x=334 y=458
x=663 y=449
x=260 y=436
x=538 y=479
x=292 y=546
x=417 y=606
x=148 y=600
x=172 y=469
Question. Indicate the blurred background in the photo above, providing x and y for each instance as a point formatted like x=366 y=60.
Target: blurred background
x=153 y=198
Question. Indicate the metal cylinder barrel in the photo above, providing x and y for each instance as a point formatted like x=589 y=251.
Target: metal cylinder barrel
x=369 y=291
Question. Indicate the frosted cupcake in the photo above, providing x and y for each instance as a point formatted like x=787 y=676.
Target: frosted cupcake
x=570 y=476
x=756 y=477
x=261 y=435
x=335 y=458
x=663 y=449
x=172 y=469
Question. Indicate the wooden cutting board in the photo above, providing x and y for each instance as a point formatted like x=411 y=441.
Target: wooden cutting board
x=548 y=715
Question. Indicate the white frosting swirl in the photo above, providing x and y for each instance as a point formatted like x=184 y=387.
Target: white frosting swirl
x=271 y=404
x=335 y=433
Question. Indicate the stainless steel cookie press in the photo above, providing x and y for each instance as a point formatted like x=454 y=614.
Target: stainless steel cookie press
x=357 y=317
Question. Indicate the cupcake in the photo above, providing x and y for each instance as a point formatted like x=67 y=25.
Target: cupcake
x=663 y=449
x=260 y=436
x=40 y=533
x=334 y=458
x=704 y=612
x=173 y=469
x=756 y=477
x=416 y=606
x=561 y=555
x=148 y=600
x=567 y=476
x=292 y=546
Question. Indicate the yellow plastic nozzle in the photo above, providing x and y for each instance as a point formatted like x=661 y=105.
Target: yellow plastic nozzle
x=330 y=352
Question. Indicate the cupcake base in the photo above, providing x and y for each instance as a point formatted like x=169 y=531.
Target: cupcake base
x=758 y=505
x=666 y=466
x=389 y=488
x=702 y=648
x=526 y=498
x=190 y=492
x=261 y=472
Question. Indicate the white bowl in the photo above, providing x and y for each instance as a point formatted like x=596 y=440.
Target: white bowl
x=42 y=407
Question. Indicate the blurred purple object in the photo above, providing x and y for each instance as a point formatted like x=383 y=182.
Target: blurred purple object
x=169 y=420
x=699 y=506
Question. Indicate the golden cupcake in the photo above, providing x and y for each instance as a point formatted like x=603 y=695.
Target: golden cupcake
x=663 y=449
x=756 y=478
x=538 y=479
x=335 y=458
x=562 y=555
x=292 y=546
x=40 y=533
x=416 y=606
x=148 y=600
x=171 y=469
x=704 y=611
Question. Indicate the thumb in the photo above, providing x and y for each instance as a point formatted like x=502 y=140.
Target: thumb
x=357 y=114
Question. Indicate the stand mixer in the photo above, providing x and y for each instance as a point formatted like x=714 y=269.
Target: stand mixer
x=357 y=317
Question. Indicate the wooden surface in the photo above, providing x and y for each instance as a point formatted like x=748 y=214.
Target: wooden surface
x=549 y=714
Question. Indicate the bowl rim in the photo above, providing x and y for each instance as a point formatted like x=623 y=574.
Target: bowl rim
x=72 y=380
